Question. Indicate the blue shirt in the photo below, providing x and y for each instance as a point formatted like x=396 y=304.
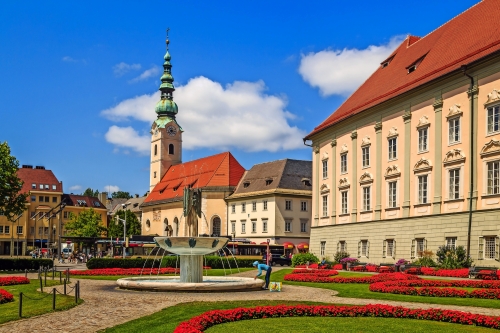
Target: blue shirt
x=261 y=267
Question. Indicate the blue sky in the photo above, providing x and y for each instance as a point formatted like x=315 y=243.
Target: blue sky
x=79 y=80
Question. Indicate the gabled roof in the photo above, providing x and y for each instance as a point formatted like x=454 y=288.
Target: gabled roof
x=39 y=177
x=271 y=177
x=466 y=38
x=221 y=170
x=134 y=205
x=82 y=201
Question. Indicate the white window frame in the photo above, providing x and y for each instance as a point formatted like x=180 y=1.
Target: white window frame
x=233 y=227
x=344 y=195
x=19 y=229
x=488 y=109
x=288 y=204
x=342 y=246
x=389 y=248
x=243 y=207
x=366 y=197
x=288 y=225
x=322 y=248
x=343 y=163
x=423 y=139
x=395 y=204
x=495 y=189
x=457 y=125
x=451 y=242
x=324 y=164
x=254 y=226
x=254 y=206
x=303 y=206
x=365 y=156
x=392 y=150
x=455 y=192
x=364 y=248
x=233 y=208
x=243 y=226
x=417 y=188
x=264 y=225
x=324 y=205
x=6 y=229
x=494 y=248
x=264 y=204
x=415 y=247
x=303 y=225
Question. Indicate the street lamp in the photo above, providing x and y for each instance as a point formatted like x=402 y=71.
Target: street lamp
x=12 y=238
x=59 y=246
x=124 y=206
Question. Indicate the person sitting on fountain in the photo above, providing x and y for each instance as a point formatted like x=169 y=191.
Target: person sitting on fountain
x=268 y=270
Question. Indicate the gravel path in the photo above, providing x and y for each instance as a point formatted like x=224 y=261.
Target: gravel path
x=106 y=306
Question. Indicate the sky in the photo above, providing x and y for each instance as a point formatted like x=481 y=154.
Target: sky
x=79 y=80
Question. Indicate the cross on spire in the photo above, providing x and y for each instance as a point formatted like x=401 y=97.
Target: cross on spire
x=167 y=41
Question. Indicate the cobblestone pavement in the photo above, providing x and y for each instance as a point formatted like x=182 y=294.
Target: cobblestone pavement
x=106 y=306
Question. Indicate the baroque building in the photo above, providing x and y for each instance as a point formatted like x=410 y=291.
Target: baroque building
x=411 y=160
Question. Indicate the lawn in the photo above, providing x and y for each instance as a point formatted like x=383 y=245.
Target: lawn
x=209 y=272
x=354 y=290
x=339 y=324
x=10 y=311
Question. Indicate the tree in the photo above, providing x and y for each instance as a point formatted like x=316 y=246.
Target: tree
x=85 y=224
x=116 y=226
x=121 y=194
x=12 y=202
x=91 y=193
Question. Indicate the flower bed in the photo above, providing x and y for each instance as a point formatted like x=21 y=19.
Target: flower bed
x=124 y=271
x=318 y=272
x=208 y=319
x=489 y=290
x=337 y=267
x=12 y=280
x=309 y=277
x=5 y=296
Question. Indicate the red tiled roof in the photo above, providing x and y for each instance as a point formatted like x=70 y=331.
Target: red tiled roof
x=221 y=170
x=468 y=37
x=82 y=201
x=39 y=177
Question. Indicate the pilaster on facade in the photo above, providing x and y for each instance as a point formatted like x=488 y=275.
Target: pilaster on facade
x=316 y=184
x=334 y=181
x=407 y=158
x=378 y=163
x=473 y=101
x=354 y=158
x=438 y=129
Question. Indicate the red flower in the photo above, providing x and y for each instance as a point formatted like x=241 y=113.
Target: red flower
x=5 y=296
x=12 y=280
x=125 y=271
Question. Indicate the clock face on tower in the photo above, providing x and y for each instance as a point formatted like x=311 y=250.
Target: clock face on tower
x=171 y=130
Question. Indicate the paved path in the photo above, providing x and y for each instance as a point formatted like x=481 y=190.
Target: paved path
x=105 y=306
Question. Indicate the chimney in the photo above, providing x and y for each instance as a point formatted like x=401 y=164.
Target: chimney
x=103 y=197
x=137 y=195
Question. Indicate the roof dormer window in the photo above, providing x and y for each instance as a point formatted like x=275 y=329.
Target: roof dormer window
x=246 y=184
x=415 y=64
x=412 y=68
x=268 y=182
x=306 y=181
x=386 y=62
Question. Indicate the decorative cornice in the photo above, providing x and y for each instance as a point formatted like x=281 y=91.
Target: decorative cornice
x=354 y=135
x=473 y=92
x=333 y=143
x=492 y=147
x=324 y=156
x=422 y=164
x=316 y=150
x=407 y=116
x=324 y=188
x=423 y=122
x=343 y=183
x=366 y=141
x=493 y=97
x=438 y=104
x=454 y=111
x=453 y=156
x=366 y=178
x=393 y=131
x=392 y=171
x=378 y=126
x=344 y=149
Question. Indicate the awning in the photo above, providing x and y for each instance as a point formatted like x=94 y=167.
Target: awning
x=288 y=245
x=253 y=243
x=303 y=246
x=263 y=243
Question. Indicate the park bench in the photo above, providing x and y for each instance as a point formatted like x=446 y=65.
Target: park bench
x=412 y=269
x=386 y=268
x=482 y=272
x=358 y=267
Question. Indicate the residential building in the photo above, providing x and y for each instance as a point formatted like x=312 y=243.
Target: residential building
x=413 y=155
x=76 y=204
x=273 y=201
x=132 y=204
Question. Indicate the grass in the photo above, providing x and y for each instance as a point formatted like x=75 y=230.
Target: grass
x=10 y=311
x=354 y=325
x=209 y=272
x=354 y=290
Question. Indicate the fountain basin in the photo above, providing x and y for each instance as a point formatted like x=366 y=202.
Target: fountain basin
x=191 y=245
x=209 y=284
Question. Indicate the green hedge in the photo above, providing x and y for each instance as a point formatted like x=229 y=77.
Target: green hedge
x=168 y=261
x=22 y=264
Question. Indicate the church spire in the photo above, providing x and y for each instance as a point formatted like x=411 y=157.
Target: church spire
x=166 y=107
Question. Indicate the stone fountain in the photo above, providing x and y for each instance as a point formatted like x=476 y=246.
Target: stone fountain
x=191 y=250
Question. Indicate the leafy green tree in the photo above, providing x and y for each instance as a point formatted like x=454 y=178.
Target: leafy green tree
x=115 y=228
x=121 y=194
x=86 y=224
x=91 y=193
x=12 y=202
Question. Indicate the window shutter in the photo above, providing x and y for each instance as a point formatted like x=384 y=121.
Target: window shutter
x=394 y=249
x=412 y=253
x=497 y=256
x=367 y=249
x=338 y=246
x=480 y=253
x=359 y=249
x=384 y=249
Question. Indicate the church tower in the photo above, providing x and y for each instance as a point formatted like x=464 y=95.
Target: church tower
x=166 y=133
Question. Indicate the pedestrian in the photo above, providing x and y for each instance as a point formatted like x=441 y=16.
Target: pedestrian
x=268 y=270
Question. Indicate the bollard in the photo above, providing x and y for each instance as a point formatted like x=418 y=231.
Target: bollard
x=20 y=305
x=54 y=299
x=76 y=293
x=41 y=284
x=64 y=286
x=45 y=278
x=53 y=272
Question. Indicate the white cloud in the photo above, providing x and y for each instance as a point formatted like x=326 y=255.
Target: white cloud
x=122 y=68
x=127 y=137
x=340 y=72
x=110 y=189
x=153 y=71
x=75 y=188
x=239 y=115
x=68 y=59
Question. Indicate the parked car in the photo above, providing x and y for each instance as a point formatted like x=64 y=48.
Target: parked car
x=66 y=253
x=278 y=259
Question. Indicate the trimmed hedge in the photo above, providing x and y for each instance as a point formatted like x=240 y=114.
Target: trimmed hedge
x=22 y=264
x=168 y=261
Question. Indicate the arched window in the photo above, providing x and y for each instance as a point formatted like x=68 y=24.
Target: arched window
x=148 y=225
x=176 y=226
x=216 y=226
x=156 y=150
x=170 y=149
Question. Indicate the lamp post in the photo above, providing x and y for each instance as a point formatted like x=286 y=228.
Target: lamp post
x=59 y=246
x=12 y=237
x=234 y=236
x=124 y=206
x=267 y=257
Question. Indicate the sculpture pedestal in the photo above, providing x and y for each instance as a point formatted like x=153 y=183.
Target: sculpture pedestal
x=191 y=267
